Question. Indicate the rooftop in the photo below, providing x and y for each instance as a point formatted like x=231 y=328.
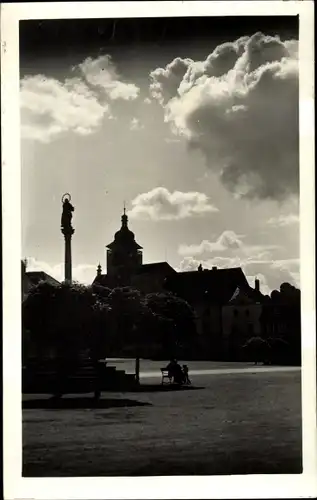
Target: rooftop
x=215 y=285
x=36 y=277
x=156 y=267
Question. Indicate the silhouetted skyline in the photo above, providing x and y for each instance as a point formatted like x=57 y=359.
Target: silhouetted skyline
x=102 y=121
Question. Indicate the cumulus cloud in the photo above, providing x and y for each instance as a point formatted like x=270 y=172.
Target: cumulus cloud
x=229 y=242
x=83 y=273
x=275 y=272
x=284 y=220
x=226 y=241
x=102 y=73
x=240 y=108
x=165 y=81
x=50 y=107
x=161 y=204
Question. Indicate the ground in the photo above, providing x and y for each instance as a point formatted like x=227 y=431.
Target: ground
x=236 y=419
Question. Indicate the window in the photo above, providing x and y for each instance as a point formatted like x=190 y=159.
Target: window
x=247 y=312
x=235 y=312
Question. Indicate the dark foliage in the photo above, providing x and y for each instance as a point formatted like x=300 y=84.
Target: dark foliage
x=175 y=322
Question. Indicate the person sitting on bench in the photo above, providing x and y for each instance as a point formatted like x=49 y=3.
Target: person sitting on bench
x=171 y=368
x=186 y=376
x=175 y=371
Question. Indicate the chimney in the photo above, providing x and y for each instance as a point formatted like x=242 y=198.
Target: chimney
x=257 y=285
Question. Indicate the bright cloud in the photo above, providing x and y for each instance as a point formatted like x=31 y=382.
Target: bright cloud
x=102 y=73
x=226 y=241
x=274 y=272
x=229 y=242
x=161 y=204
x=284 y=220
x=239 y=107
x=50 y=107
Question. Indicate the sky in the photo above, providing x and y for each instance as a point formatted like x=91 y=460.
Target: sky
x=191 y=122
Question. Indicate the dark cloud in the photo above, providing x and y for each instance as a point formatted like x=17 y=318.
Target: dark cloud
x=240 y=108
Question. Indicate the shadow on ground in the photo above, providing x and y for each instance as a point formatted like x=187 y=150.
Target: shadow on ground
x=79 y=403
x=161 y=388
x=135 y=389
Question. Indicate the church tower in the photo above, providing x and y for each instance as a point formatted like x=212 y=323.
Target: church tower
x=124 y=255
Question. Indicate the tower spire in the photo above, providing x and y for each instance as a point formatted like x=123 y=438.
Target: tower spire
x=124 y=217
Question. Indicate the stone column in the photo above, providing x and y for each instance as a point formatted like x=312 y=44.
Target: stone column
x=68 y=258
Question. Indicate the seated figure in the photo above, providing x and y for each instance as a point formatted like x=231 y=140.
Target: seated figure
x=175 y=372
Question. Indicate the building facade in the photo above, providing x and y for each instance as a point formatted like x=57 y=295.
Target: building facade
x=209 y=292
x=242 y=319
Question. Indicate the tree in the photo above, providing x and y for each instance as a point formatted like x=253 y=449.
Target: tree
x=39 y=314
x=102 y=292
x=175 y=321
x=65 y=322
x=101 y=333
x=130 y=319
x=279 y=350
x=257 y=349
x=59 y=319
x=286 y=319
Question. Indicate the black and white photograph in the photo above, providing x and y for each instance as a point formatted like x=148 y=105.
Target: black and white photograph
x=161 y=288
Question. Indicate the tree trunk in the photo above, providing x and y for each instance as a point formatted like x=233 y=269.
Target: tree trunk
x=137 y=370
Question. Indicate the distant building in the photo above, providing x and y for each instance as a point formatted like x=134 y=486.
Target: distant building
x=242 y=318
x=209 y=292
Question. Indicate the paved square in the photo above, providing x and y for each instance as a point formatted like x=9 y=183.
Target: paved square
x=229 y=423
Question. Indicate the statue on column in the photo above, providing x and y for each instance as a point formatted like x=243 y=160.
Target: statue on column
x=66 y=222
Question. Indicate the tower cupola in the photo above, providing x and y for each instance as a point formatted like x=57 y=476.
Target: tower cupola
x=124 y=254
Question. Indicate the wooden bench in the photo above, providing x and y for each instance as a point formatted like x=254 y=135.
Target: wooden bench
x=166 y=375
